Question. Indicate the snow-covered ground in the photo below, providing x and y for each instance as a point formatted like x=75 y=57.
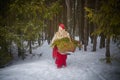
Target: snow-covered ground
x=81 y=65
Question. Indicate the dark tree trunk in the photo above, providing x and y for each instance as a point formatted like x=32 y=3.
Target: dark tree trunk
x=45 y=29
x=39 y=40
x=108 y=60
x=91 y=31
x=68 y=15
x=94 y=43
x=74 y=19
x=78 y=28
x=21 y=53
x=102 y=41
x=49 y=31
x=81 y=23
x=85 y=28
x=95 y=36
x=30 y=46
x=94 y=40
x=64 y=15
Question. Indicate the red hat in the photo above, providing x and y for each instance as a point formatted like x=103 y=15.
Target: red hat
x=62 y=26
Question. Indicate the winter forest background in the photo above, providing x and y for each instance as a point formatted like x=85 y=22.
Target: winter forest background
x=26 y=24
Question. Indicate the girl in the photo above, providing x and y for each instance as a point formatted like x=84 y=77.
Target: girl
x=60 y=59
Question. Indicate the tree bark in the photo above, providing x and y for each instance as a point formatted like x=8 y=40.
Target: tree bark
x=68 y=15
x=30 y=46
x=95 y=26
x=85 y=28
x=81 y=21
x=94 y=42
x=74 y=27
x=102 y=41
x=91 y=31
x=108 y=60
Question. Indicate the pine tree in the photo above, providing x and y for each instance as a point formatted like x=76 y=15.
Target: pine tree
x=25 y=20
x=108 y=19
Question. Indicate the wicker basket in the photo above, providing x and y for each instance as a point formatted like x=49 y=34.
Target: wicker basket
x=65 y=45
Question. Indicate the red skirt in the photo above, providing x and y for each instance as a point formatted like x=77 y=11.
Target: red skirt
x=60 y=59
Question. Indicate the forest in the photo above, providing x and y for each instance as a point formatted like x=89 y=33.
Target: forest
x=28 y=23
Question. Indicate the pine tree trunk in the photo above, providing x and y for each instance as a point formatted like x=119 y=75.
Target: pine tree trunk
x=81 y=28
x=108 y=60
x=30 y=46
x=102 y=41
x=85 y=28
x=95 y=36
x=91 y=31
x=42 y=37
x=68 y=15
x=21 y=53
x=78 y=16
x=94 y=43
x=74 y=19
x=64 y=15
x=49 y=31
x=10 y=49
x=21 y=50
x=94 y=40
x=39 y=41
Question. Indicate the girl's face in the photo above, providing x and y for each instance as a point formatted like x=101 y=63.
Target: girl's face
x=60 y=29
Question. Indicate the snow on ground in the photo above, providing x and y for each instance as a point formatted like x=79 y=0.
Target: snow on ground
x=81 y=65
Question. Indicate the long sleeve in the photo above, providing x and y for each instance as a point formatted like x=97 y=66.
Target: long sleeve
x=59 y=35
x=54 y=53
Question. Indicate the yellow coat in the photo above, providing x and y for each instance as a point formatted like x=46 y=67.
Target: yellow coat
x=59 y=35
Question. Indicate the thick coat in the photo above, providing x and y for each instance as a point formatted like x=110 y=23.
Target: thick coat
x=60 y=35
x=60 y=59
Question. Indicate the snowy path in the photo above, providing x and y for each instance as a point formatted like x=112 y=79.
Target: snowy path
x=81 y=66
